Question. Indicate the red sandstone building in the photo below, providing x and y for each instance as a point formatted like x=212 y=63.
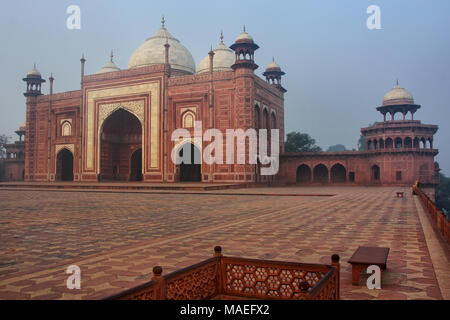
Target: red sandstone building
x=398 y=152
x=12 y=168
x=119 y=125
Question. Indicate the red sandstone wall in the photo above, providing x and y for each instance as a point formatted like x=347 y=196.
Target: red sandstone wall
x=361 y=162
x=64 y=106
x=13 y=170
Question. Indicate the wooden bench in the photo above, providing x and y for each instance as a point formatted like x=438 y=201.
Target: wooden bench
x=399 y=194
x=367 y=256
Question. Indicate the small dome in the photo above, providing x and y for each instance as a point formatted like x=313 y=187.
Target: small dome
x=397 y=96
x=273 y=66
x=244 y=37
x=109 y=67
x=224 y=58
x=152 y=52
x=34 y=72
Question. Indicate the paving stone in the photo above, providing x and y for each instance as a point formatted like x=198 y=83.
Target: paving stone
x=117 y=238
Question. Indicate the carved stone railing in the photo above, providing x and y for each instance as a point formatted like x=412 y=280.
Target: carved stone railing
x=439 y=218
x=224 y=277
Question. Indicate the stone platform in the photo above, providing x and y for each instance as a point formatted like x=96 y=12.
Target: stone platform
x=122 y=185
x=116 y=238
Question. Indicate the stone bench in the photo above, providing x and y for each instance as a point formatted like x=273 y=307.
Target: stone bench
x=367 y=256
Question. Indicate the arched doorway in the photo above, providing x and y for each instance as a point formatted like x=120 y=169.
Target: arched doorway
x=64 y=165
x=304 y=174
x=338 y=173
x=190 y=166
x=120 y=137
x=375 y=173
x=136 y=166
x=321 y=174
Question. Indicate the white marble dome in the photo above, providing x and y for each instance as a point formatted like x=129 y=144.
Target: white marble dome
x=273 y=66
x=152 y=52
x=224 y=58
x=244 y=37
x=397 y=96
x=109 y=67
x=34 y=72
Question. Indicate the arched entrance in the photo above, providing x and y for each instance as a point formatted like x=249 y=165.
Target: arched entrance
x=375 y=173
x=338 y=173
x=304 y=174
x=120 y=138
x=136 y=166
x=190 y=167
x=321 y=174
x=64 y=165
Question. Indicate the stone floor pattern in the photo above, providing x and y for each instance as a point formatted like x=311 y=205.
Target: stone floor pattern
x=116 y=238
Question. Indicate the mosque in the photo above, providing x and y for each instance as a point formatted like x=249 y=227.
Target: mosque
x=118 y=125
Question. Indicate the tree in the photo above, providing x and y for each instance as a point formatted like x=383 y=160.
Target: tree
x=362 y=142
x=4 y=139
x=337 y=147
x=443 y=194
x=362 y=139
x=300 y=142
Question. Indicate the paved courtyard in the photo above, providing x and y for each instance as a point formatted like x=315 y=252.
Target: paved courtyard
x=117 y=237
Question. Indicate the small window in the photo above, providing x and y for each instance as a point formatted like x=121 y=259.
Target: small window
x=351 y=176
x=66 y=129
x=188 y=120
x=399 y=175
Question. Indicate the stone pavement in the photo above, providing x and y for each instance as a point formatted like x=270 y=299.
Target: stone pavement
x=116 y=238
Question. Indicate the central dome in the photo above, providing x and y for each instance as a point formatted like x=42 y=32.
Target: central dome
x=397 y=96
x=152 y=52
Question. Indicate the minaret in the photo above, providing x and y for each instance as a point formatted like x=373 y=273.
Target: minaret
x=34 y=81
x=83 y=61
x=244 y=48
x=273 y=75
x=244 y=75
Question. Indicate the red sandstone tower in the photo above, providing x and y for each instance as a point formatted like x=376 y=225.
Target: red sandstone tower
x=34 y=81
x=403 y=147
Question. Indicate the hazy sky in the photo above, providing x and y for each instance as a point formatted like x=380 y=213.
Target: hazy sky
x=337 y=70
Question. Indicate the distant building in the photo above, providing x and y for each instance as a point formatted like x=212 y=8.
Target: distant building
x=398 y=152
x=13 y=167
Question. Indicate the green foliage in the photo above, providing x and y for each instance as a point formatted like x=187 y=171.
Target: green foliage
x=337 y=147
x=362 y=139
x=300 y=142
x=362 y=143
x=4 y=139
x=443 y=194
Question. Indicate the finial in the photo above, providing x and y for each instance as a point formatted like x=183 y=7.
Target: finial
x=111 y=55
x=221 y=37
x=244 y=28
x=163 y=21
x=397 y=82
x=34 y=65
x=51 y=76
x=273 y=59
